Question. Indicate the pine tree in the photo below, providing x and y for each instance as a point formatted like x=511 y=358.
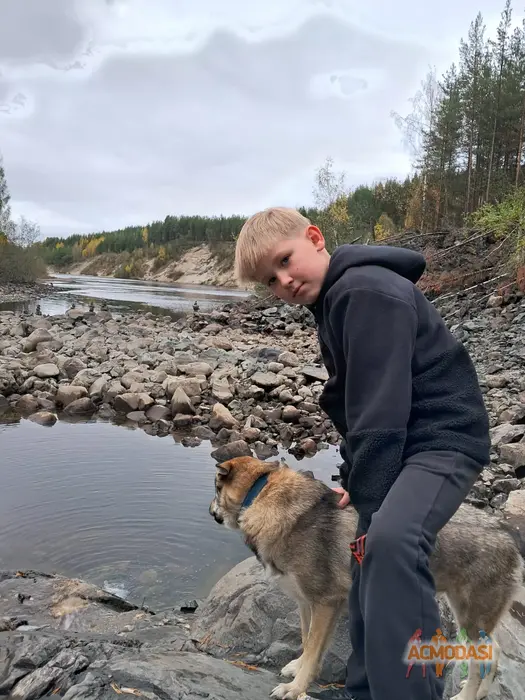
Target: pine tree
x=501 y=52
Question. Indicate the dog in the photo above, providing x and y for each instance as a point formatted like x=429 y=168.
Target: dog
x=293 y=525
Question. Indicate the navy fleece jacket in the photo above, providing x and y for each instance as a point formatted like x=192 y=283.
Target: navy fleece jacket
x=399 y=382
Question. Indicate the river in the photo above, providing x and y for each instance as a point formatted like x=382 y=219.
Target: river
x=123 y=295
x=114 y=505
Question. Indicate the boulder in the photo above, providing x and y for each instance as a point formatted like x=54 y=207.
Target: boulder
x=221 y=417
x=40 y=335
x=236 y=448
x=66 y=394
x=180 y=402
x=45 y=418
x=79 y=407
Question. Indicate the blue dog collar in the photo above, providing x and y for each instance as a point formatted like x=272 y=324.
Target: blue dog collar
x=255 y=491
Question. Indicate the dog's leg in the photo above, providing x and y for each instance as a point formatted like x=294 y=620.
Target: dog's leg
x=322 y=625
x=291 y=669
x=466 y=606
x=469 y=688
x=488 y=679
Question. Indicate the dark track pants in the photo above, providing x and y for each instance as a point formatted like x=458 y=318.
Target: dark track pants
x=393 y=591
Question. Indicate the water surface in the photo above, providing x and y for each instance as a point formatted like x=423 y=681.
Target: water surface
x=124 y=295
x=120 y=508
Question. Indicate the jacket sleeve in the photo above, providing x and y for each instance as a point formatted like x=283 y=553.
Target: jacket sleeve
x=376 y=333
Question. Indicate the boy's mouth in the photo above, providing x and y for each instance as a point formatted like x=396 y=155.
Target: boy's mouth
x=296 y=292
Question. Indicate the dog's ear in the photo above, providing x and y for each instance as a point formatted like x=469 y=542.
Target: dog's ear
x=223 y=469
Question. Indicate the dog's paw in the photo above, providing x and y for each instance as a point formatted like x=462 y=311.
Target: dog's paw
x=286 y=691
x=466 y=692
x=291 y=669
x=484 y=690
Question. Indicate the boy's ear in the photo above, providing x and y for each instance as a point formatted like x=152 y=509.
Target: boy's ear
x=315 y=235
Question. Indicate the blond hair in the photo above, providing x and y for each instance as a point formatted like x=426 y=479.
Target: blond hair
x=260 y=233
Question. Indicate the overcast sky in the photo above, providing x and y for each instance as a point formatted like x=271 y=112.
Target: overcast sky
x=118 y=112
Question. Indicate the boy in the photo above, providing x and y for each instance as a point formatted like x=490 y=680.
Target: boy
x=404 y=395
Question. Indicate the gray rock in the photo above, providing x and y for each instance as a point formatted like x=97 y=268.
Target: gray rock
x=72 y=366
x=203 y=432
x=514 y=454
x=505 y=433
x=79 y=407
x=247 y=617
x=99 y=386
x=192 y=386
x=136 y=417
x=157 y=412
x=221 y=417
x=496 y=381
x=47 y=370
x=266 y=380
x=92 y=645
x=67 y=394
x=27 y=404
x=288 y=359
x=237 y=448
x=39 y=335
x=290 y=414
x=126 y=403
x=318 y=373
x=180 y=402
x=183 y=420
x=195 y=369
x=220 y=389
x=45 y=418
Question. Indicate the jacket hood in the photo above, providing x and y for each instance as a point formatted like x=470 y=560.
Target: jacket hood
x=405 y=262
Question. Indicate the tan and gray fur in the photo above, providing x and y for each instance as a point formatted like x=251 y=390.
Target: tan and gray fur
x=302 y=537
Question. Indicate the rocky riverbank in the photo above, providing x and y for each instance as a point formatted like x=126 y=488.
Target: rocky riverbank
x=11 y=291
x=246 y=377
x=68 y=638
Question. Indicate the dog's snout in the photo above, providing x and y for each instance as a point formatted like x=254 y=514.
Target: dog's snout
x=214 y=512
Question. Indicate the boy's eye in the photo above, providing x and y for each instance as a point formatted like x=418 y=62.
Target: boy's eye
x=285 y=259
x=271 y=281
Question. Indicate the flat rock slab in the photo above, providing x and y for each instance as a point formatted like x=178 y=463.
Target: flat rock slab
x=71 y=639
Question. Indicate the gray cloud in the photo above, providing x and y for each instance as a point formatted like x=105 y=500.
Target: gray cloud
x=34 y=31
x=121 y=112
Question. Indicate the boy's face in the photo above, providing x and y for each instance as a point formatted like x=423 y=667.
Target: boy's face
x=295 y=268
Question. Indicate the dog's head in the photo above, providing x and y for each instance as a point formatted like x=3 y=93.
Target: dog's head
x=233 y=481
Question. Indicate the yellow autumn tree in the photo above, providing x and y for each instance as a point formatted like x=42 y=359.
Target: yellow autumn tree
x=331 y=199
x=90 y=248
x=384 y=228
x=145 y=235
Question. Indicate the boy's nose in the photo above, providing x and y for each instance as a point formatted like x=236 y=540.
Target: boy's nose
x=285 y=279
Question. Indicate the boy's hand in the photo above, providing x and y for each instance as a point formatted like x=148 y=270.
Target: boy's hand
x=345 y=496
